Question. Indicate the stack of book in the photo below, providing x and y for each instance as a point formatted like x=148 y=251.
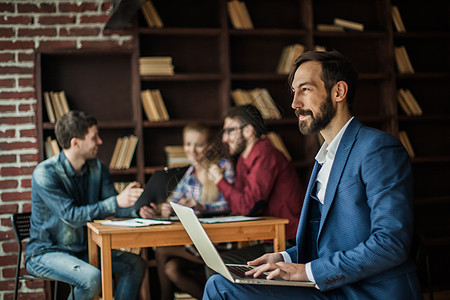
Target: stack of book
x=156 y=65
x=397 y=19
x=239 y=16
x=278 y=143
x=56 y=105
x=288 y=57
x=176 y=156
x=404 y=65
x=120 y=186
x=154 y=106
x=408 y=103
x=51 y=147
x=346 y=24
x=260 y=98
x=151 y=15
x=406 y=143
x=123 y=152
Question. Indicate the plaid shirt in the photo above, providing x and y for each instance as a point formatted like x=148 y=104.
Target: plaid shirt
x=190 y=187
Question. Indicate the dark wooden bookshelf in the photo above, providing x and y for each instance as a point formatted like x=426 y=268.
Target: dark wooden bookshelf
x=211 y=58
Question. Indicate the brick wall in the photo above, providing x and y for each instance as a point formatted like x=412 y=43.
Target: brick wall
x=26 y=25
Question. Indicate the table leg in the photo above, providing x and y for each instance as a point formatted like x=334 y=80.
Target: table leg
x=279 y=242
x=105 y=257
x=92 y=250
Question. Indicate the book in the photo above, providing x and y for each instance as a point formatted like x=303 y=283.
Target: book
x=233 y=15
x=260 y=98
x=238 y=14
x=349 y=24
x=56 y=105
x=248 y=24
x=63 y=101
x=409 y=103
x=135 y=222
x=49 y=108
x=176 y=157
x=288 y=57
x=397 y=19
x=404 y=139
x=151 y=15
x=156 y=65
x=402 y=60
x=149 y=106
x=160 y=106
x=51 y=147
x=115 y=155
x=329 y=27
x=129 y=152
x=278 y=143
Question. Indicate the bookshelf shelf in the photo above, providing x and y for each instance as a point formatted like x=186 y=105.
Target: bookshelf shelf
x=208 y=32
x=269 y=32
x=185 y=77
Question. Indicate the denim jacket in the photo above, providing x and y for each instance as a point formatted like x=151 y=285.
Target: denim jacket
x=63 y=201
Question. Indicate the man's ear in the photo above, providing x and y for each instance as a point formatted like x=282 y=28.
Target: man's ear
x=340 y=91
x=73 y=142
x=248 y=130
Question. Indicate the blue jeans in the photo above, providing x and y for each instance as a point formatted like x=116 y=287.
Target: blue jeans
x=85 y=278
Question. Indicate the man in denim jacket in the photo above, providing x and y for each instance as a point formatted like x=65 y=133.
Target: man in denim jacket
x=69 y=190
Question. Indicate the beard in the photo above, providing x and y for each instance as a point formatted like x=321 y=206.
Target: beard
x=327 y=112
x=241 y=145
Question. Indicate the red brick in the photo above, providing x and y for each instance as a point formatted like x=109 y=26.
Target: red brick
x=16 y=196
x=17 y=95
x=37 y=32
x=8 y=260
x=8 y=208
x=9 y=272
x=72 y=7
x=26 y=183
x=8 y=184
x=84 y=31
x=16 y=45
x=26 y=57
x=6 y=57
x=6 y=7
x=26 y=107
x=17 y=145
x=42 y=8
x=6 y=222
x=28 y=157
x=34 y=284
x=7 y=285
x=8 y=158
x=94 y=19
x=28 y=296
x=56 y=44
x=7 y=108
x=10 y=247
x=106 y=6
x=109 y=32
x=16 y=70
x=7 y=83
x=15 y=171
x=54 y=20
x=26 y=207
x=22 y=20
x=6 y=32
x=16 y=120
x=24 y=82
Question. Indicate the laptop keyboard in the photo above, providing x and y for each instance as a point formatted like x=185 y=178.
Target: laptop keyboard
x=239 y=271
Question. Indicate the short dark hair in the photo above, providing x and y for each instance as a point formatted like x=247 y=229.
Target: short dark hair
x=248 y=114
x=74 y=124
x=335 y=67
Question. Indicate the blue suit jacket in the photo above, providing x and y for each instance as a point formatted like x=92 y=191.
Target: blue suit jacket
x=367 y=219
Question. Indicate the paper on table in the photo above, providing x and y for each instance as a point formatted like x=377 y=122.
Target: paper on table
x=136 y=222
x=227 y=219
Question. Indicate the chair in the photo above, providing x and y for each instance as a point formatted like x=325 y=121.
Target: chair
x=21 y=226
x=419 y=254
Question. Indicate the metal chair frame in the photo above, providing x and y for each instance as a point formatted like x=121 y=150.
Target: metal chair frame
x=21 y=225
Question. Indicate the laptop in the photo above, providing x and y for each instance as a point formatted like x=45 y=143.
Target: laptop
x=232 y=272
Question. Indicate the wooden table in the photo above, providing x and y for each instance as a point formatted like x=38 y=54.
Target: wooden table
x=114 y=237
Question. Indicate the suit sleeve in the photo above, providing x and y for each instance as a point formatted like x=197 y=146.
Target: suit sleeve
x=384 y=179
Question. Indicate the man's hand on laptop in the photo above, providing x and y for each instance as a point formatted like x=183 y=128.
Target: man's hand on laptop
x=274 y=265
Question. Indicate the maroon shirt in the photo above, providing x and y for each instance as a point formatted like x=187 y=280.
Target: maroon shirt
x=267 y=175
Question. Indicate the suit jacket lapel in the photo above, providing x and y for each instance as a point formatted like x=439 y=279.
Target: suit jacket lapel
x=347 y=141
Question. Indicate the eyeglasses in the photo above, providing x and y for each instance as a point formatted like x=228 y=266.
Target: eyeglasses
x=229 y=130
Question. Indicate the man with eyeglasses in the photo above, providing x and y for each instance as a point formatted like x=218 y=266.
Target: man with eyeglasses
x=266 y=182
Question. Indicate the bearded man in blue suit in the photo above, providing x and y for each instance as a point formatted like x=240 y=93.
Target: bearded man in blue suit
x=355 y=230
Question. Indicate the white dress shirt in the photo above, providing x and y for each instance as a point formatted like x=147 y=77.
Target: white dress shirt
x=325 y=157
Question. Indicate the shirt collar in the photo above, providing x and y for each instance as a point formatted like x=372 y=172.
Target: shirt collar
x=331 y=149
x=69 y=169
